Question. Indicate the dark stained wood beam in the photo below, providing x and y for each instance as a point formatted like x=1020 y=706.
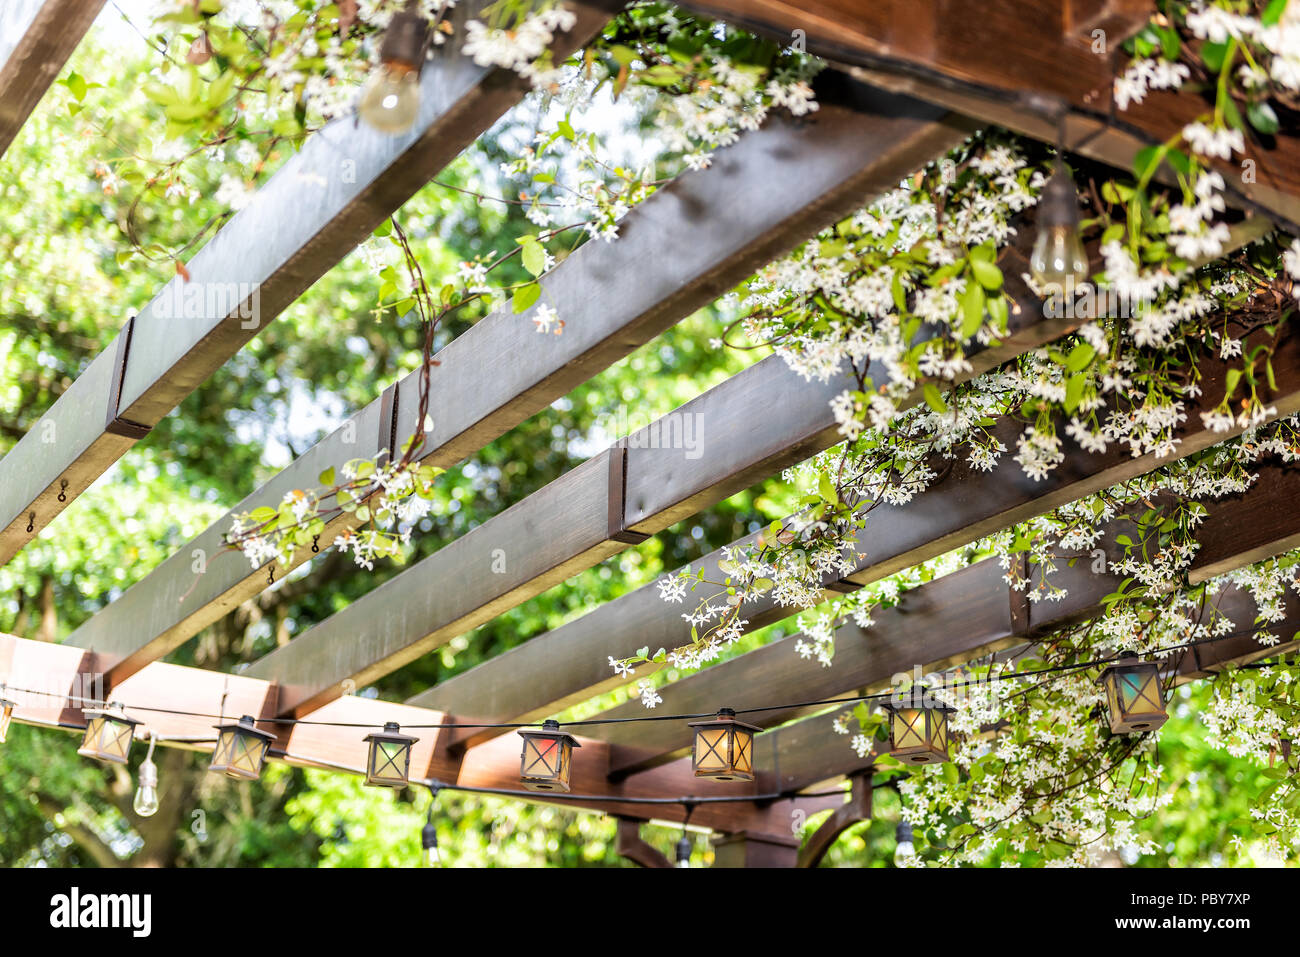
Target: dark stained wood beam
x=946 y=622
x=635 y=849
x=849 y=814
x=325 y=200
x=1012 y=63
x=554 y=671
x=155 y=695
x=812 y=753
x=36 y=39
x=614 y=296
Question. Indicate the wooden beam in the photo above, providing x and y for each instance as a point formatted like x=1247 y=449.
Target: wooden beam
x=812 y=753
x=945 y=622
x=849 y=814
x=157 y=693
x=635 y=849
x=858 y=144
x=756 y=849
x=36 y=39
x=742 y=438
x=557 y=670
x=954 y=53
x=315 y=210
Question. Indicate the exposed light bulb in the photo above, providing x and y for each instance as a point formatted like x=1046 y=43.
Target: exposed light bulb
x=429 y=834
x=146 y=795
x=684 y=852
x=905 y=850
x=390 y=100
x=429 y=841
x=1058 y=256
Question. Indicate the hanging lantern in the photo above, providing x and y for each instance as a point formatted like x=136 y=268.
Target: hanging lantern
x=918 y=733
x=547 y=757
x=108 y=734
x=6 y=716
x=390 y=757
x=724 y=748
x=1135 y=701
x=241 y=749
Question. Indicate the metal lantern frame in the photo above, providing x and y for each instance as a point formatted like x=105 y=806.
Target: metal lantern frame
x=109 y=733
x=241 y=749
x=546 y=760
x=918 y=732
x=389 y=768
x=1135 y=698
x=724 y=748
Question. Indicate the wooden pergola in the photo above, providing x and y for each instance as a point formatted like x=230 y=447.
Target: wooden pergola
x=878 y=123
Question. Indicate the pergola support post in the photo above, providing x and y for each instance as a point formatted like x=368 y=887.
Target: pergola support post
x=632 y=846
x=854 y=811
x=751 y=849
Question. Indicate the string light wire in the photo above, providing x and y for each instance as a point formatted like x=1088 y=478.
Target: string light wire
x=592 y=722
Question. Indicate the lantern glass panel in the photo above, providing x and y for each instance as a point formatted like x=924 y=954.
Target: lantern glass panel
x=711 y=749
x=107 y=738
x=390 y=761
x=742 y=743
x=542 y=757
x=909 y=728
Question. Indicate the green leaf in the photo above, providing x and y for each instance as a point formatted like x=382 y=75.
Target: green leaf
x=1080 y=357
x=534 y=256
x=1212 y=55
x=1263 y=118
x=972 y=308
x=1234 y=377
x=1074 y=391
x=988 y=275
x=933 y=399
x=262 y=515
x=1146 y=160
x=524 y=297
x=327 y=477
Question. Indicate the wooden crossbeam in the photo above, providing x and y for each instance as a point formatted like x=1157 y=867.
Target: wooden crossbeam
x=155 y=695
x=811 y=753
x=955 y=53
x=945 y=622
x=553 y=671
x=315 y=210
x=744 y=439
x=36 y=39
x=859 y=143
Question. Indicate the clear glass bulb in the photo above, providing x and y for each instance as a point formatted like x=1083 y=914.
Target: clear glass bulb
x=432 y=858
x=146 y=795
x=1058 y=257
x=904 y=852
x=390 y=100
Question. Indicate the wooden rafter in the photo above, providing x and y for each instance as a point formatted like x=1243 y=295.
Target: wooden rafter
x=949 y=621
x=315 y=210
x=36 y=39
x=553 y=671
x=854 y=146
x=159 y=693
x=985 y=60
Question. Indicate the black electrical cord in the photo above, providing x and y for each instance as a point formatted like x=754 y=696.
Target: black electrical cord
x=585 y=722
